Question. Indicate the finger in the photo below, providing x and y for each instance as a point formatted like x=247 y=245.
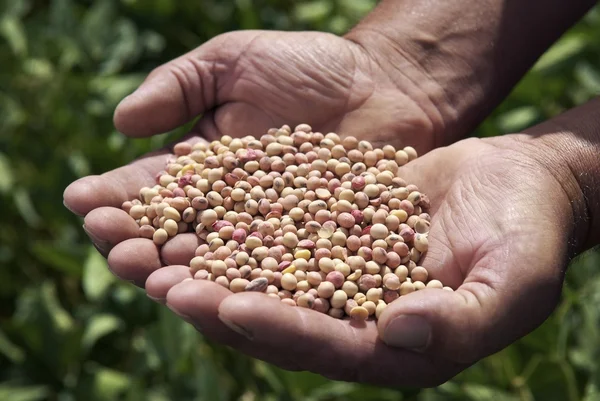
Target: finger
x=162 y=280
x=180 y=249
x=432 y=180
x=498 y=303
x=134 y=260
x=197 y=302
x=184 y=88
x=108 y=226
x=114 y=187
x=119 y=185
x=337 y=349
x=237 y=119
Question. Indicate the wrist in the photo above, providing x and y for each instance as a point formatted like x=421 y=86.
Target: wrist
x=466 y=55
x=568 y=146
x=456 y=102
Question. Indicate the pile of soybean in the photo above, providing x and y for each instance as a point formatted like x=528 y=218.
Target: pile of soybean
x=314 y=220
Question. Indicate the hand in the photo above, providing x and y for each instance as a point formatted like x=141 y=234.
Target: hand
x=502 y=223
x=243 y=83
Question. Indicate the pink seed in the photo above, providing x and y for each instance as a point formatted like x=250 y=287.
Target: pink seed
x=219 y=224
x=401 y=249
x=201 y=275
x=322 y=253
x=284 y=265
x=407 y=234
x=231 y=179
x=306 y=244
x=358 y=216
x=239 y=235
x=336 y=278
x=366 y=282
x=389 y=296
x=185 y=180
x=366 y=230
x=407 y=206
x=358 y=183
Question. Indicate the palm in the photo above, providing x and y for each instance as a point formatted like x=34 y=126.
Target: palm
x=484 y=237
x=247 y=82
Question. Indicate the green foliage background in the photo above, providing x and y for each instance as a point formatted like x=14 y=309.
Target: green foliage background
x=70 y=331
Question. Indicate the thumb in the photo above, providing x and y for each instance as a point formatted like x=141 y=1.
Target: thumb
x=180 y=90
x=477 y=320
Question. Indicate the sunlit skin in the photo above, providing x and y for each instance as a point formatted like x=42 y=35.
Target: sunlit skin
x=248 y=82
x=499 y=235
x=503 y=209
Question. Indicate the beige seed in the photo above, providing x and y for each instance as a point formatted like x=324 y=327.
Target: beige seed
x=350 y=288
x=238 y=284
x=406 y=288
x=359 y=313
x=419 y=285
x=435 y=284
x=288 y=301
x=289 y=282
x=380 y=308
x=392 y=281
x=137 y=211
x=421 y=242
x=379 y=231
x=306 y=301
x=160 y=236
x=171 y=213
x=326 y=289
x=374 y=294
x=338 y=299
x=419 y=273
x=370 y=306
x=218 y=268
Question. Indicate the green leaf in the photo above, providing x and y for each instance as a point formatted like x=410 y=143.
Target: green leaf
x=23 y=393
x=13 y=31
x=9 y=350
x=589 y=77
x=40 y=69
x=6 y=174
x=478 y=392
x=313 y=11
x=563 y=50
x=518 y=119
x=99 y=326
x=97 y=279
x=26 y=209
x=63 y=260
x=109 y=384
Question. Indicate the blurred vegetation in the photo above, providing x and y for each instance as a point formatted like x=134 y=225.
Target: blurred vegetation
x=70 y=331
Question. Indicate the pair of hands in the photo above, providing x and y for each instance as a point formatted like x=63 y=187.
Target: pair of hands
x=501 y=225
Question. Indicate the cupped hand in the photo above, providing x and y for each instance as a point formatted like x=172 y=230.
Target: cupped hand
x=245 y=82
x=500 y=234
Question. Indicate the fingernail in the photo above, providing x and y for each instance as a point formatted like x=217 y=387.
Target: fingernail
x=162 y=301
x=408 y=331
x=238 y=329
x=181 y=315
x=71 y=210
x=102 y=246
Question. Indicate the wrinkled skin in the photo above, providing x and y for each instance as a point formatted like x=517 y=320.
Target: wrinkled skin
x=500 y=226
x=244 y=83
